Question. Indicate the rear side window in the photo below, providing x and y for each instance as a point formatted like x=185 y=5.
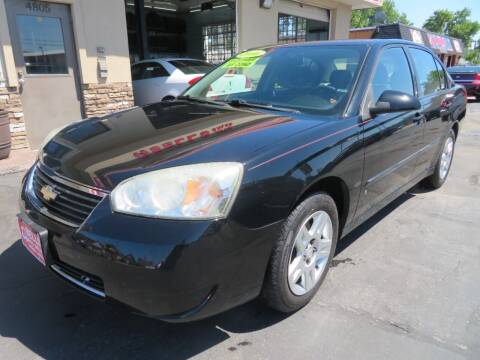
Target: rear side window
x=153 y=70
x=427 y=73
x=148 y=70
x=441 y=75
x=392 y=73
x=190 y=67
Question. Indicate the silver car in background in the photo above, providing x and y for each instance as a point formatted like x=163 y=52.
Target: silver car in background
x=155 y=79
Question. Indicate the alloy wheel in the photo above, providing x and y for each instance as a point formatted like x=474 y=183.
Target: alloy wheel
x=310 y=253
x=446 y=158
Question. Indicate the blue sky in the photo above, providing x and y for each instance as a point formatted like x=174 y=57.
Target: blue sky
x=419 y=10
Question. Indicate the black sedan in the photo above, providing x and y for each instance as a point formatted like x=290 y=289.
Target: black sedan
x=468 y=76
x=243 y=185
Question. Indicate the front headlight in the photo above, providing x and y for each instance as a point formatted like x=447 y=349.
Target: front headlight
x=198 y=191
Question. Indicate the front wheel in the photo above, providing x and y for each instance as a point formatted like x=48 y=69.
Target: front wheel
x=302 y=255
x=442 y=167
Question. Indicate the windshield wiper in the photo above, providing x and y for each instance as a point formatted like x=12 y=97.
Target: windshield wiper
x=244 y=103
x=200 y=100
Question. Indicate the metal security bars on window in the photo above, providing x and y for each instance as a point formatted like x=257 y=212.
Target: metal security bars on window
x=219 y=42
x=291 y=29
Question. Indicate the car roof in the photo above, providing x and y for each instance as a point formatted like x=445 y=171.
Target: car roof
x=366 y=42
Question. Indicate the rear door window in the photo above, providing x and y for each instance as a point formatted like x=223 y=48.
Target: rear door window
x=154 y=70
x=426 y=71
x=190 y=67
x=392 y=73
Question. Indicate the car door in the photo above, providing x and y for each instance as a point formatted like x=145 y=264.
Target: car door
x=149 y=85
x=392 y=140
x=436 y=99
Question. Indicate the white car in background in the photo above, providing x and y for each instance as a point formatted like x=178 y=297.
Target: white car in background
x=155 y=79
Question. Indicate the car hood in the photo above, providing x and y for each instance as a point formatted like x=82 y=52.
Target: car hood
x=101 y=152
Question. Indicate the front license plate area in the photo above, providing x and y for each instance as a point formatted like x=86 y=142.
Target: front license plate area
x=32 y=235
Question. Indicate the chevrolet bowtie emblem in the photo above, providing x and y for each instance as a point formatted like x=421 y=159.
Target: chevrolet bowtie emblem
x=48 y=193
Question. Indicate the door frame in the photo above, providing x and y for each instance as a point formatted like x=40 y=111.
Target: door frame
x=75 y=105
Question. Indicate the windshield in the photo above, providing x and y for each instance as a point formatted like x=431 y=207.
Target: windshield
x=190 y=67
x=317 y=78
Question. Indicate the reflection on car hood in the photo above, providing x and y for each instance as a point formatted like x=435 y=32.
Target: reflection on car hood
x=101 y=152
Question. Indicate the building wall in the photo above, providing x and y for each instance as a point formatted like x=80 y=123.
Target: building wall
x=259 y=27
x=11 y=102
x=95 y=24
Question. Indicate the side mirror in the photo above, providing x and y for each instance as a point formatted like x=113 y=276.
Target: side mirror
x=393 y=101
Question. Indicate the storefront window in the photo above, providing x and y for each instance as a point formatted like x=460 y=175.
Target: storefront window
x=219 y=42
x=293 y=29
x=181 y=29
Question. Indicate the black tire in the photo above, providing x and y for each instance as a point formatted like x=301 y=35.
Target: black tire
x=276 y=290
x=435 y=181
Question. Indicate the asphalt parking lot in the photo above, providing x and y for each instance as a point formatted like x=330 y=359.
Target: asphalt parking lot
x=406 y=285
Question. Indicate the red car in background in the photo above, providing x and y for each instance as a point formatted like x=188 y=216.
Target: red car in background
x=468 y=76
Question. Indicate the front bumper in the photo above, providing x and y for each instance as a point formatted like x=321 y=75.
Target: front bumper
x=171 y=270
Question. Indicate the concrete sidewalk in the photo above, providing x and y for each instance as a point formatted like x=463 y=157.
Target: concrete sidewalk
x=19 y=160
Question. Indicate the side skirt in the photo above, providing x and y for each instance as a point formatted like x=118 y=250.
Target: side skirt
x=364 y=217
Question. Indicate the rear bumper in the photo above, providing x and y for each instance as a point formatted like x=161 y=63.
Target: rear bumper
x=472 y=90
x=171 y=270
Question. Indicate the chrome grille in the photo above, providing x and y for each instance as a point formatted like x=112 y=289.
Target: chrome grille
x=68 y=202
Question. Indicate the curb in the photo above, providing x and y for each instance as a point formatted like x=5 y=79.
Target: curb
x=14 y=170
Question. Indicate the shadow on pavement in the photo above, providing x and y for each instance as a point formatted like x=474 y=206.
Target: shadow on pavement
x=348 y=240
x=54 y=320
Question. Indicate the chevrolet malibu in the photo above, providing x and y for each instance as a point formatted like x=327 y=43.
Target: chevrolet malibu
x=185 y=208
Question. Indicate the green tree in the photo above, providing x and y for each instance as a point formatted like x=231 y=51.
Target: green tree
x=473 y=56
x=366 y=17
x=456 y=24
